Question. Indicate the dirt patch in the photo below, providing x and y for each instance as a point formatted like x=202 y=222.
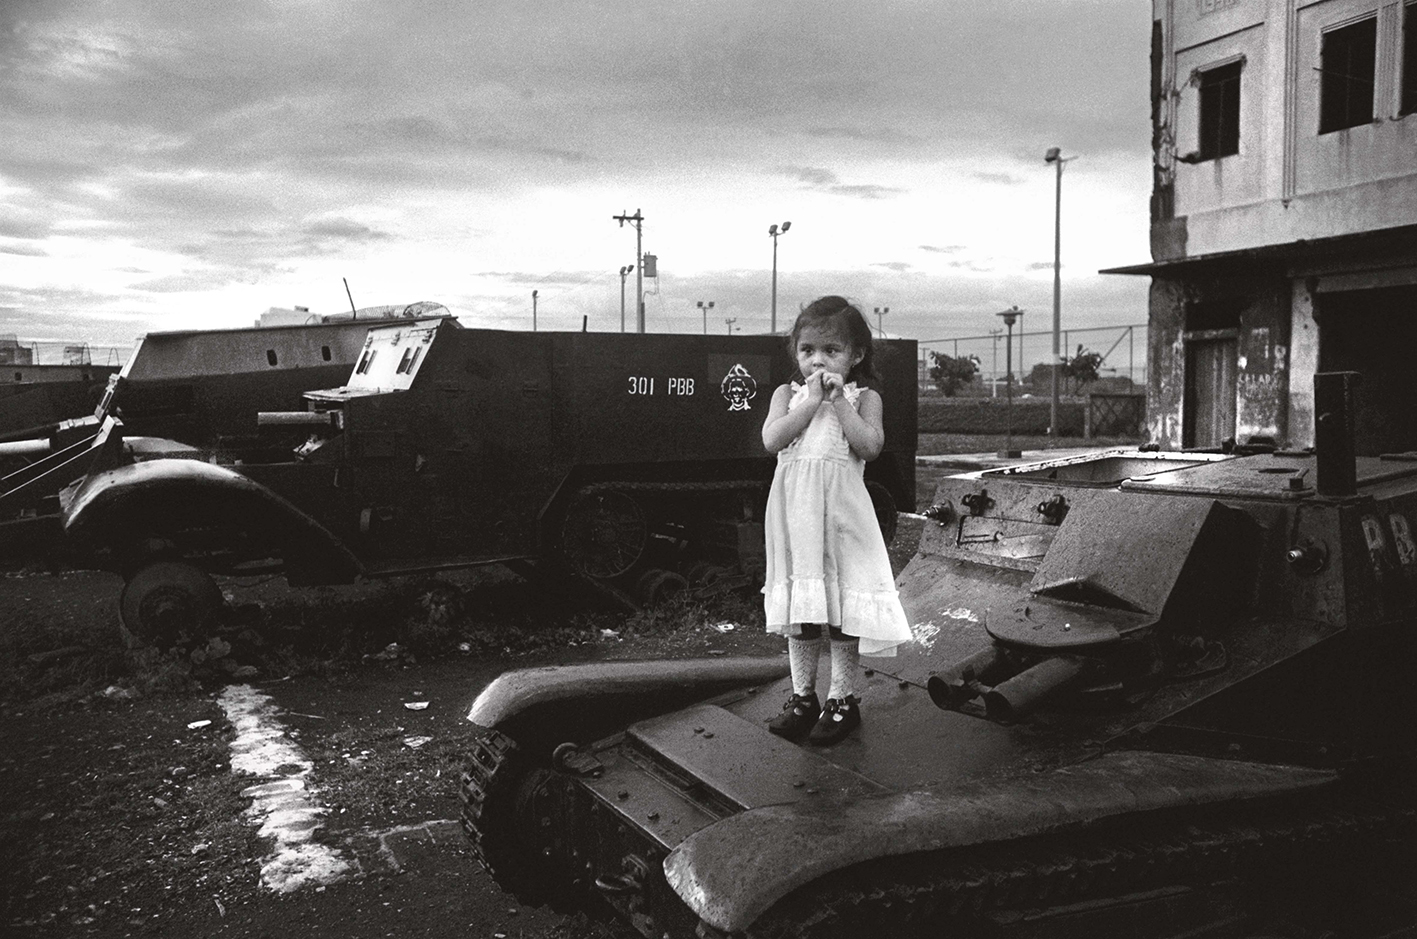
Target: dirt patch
x=122 y=816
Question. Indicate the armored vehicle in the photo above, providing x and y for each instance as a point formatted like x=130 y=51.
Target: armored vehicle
x=38 y=396
x=1149 y=694
x=190 y=388
x=631 y=463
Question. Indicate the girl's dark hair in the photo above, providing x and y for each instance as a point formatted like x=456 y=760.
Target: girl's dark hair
x=846 y=319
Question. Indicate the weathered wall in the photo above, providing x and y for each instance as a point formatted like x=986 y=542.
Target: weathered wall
x=1166 y=353
x=1262 y=393
x=1287 y=182
x=1303 y=365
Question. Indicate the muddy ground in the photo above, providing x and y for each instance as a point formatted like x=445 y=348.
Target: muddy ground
x=121 y=815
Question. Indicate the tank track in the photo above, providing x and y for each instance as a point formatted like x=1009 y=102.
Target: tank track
x=973 y=890
x=969 y=890
x=494 y=783
x=490 y=752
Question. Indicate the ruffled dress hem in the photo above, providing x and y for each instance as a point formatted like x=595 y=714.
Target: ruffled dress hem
x=873 y=616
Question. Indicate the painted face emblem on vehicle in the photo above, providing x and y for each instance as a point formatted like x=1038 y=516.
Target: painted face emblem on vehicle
x=738 y=388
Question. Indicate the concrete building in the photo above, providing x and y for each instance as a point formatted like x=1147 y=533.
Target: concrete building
x=1283 y=218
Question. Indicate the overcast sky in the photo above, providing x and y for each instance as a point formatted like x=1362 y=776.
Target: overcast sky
x=169 y=164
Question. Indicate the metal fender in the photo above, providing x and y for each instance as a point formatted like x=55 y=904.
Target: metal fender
x=731 y=872
x=613 y=687
x=105 y=507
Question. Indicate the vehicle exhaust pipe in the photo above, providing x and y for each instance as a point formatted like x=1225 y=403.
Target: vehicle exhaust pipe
x=298 y=419
x=962 y=681
x=1334 y=433
x=1023 y=693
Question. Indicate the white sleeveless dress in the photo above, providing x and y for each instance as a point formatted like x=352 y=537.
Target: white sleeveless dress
x=826 y=559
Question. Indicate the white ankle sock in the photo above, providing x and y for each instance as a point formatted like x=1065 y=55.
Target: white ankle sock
x=802 y=655
x=846 y=660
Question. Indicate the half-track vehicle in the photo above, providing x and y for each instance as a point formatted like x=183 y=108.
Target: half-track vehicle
x=630 y=463
x=1149 y=694
x=177 y=391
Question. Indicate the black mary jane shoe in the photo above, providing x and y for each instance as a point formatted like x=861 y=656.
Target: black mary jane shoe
x=798 y=716
x=839 y=718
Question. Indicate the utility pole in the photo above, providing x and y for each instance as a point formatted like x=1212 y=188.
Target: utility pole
x=533 y=311
x=638 y=219
x=730 y=320
x=1055 y=156
x=623 y=272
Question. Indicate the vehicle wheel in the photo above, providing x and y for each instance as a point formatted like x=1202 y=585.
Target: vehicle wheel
x=884 y=504
x=657 y=586
x=166 y=601
x=604 y=534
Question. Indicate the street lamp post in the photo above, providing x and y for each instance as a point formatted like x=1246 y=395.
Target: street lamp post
x=880 y=312
x=1012 y=315
x=533 y=310
x=624 y=272
x=639 y=266
x=705 y=307
x=1055 y=156
x=774 y=231
x=730 y=320
x=994 y=366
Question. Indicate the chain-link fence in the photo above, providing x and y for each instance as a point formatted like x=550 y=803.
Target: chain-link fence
x=1123 y=351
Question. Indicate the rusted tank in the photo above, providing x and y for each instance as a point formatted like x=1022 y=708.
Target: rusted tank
x=632 y=463
x=1150 y=694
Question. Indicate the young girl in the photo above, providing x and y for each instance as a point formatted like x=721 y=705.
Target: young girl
x=826 y=559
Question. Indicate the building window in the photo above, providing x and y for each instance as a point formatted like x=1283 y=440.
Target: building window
x=1220 y=112
x=1348 y=57
x=1409 y=60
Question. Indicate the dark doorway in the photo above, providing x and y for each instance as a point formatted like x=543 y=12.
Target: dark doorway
x=1374 y=332
x=1208 y=415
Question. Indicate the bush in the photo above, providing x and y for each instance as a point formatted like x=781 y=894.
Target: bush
x=950 y=373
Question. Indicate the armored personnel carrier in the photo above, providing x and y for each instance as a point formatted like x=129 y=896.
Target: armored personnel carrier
x=1149 y=694
x=178 y=391
x=631 y=463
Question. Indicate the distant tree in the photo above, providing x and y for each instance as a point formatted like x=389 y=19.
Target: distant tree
x=1082 y=368
x=951 y=373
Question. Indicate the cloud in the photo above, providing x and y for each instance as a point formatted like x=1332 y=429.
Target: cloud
x=181 y=283
x=810 y=175
x=876 y=135
x=29 y=227
x=27 y=251
x=202 y=146
x=343 y=229
x=897 y=266
x=1005 y=179
x=825 y=180
x=866 y=191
